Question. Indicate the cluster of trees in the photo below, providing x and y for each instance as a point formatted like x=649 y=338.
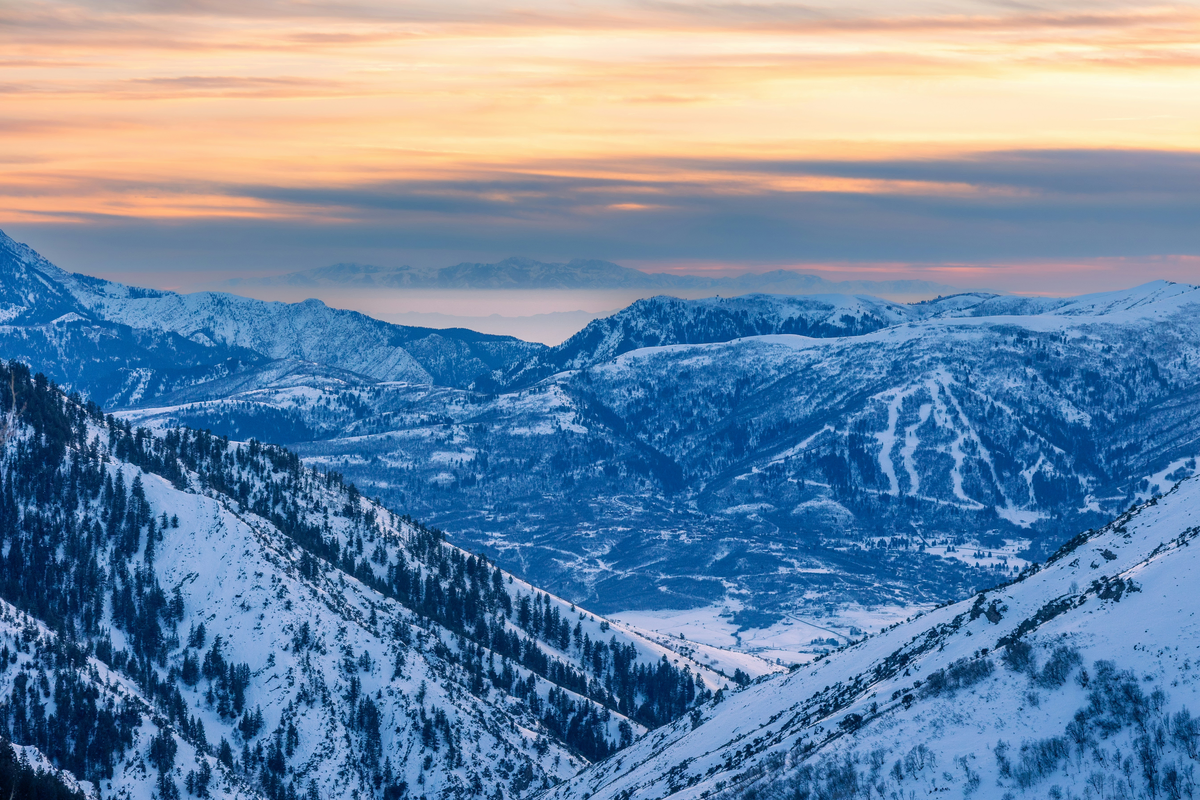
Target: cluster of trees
x=470 y=597
x=242 y=421
x=19 y=779
x=65 y=525
x=81 y=731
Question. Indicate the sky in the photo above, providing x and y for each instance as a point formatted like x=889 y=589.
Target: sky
x=1024 y=146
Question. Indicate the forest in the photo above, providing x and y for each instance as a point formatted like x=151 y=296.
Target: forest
x=79 y=543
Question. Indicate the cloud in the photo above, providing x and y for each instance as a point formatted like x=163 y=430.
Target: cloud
x=1066 y=204
x=333 y=23
x=1062 y=171
x=183 y=86
x=626 y=129
x=812 y=16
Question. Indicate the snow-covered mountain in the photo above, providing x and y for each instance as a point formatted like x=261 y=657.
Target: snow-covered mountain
x=123 y=345
x=1079 y=679
x=663 y=320
x=579 y=273
x=784 y=455
x=185 y=611
x=933 y=449
x=660 y=321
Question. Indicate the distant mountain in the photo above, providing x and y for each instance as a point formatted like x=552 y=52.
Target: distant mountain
x=802 y=454
x=186 y=614
x=526 y=273
x=661 y=321
x=123 y=345
x=1076 y=680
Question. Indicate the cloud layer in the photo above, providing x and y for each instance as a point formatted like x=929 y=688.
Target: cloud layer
x=657 y=132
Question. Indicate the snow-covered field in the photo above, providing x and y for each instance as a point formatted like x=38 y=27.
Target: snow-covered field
x=794 y=639
x=1004 y=557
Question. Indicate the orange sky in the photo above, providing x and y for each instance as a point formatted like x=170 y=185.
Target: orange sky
x=188 y=113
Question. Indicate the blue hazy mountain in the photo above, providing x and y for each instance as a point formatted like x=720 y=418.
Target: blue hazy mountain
x=124 y=345
x=580 y=274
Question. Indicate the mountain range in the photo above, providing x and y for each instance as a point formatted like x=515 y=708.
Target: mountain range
x=782 y=454
x=188 y=608
x=124 y=345
x=840 y=449
x=580 y=274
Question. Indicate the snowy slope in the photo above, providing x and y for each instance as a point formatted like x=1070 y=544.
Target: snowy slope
x=129 y=330
x=359 y=687
x=31 y=289
x=1079 y=674
x=277 y=330
x=32 y=651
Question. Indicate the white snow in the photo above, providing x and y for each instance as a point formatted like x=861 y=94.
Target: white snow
x=780 y=724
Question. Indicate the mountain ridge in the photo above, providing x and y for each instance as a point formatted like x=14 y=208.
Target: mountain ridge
x=122 y=345
x=518 y=272
x=663 y=320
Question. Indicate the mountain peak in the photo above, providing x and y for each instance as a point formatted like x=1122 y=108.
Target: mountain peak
x=19 y=253
x=33 y=290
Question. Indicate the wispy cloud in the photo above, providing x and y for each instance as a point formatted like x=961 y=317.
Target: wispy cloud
x=1065 y=203
x=644 y=129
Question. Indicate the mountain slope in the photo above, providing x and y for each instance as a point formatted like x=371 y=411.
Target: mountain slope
x=31 y=287
x=1074 y=680
x=121 y=345
x=270 y=618
x=662 y=321
x=94 y=730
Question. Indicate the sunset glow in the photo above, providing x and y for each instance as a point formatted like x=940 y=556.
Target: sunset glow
x=591 y=120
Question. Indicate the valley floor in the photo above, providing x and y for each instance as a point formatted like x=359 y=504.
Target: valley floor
x=783 y=638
